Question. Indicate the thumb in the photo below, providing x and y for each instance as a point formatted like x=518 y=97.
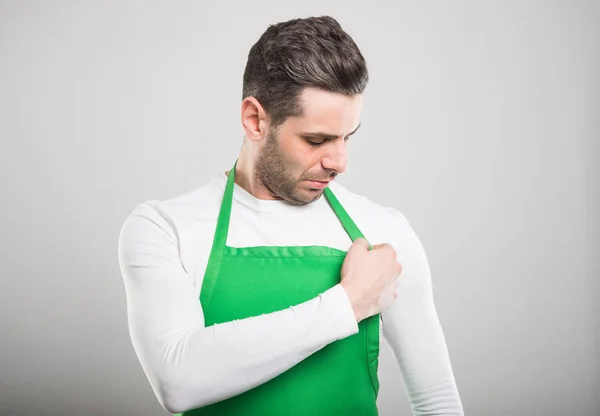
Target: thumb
x=379 y=245
x=360 y=244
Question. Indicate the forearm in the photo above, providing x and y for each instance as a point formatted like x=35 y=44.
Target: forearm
x=193 y=367
x=190 y=365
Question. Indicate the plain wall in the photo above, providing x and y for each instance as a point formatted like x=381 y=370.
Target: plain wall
x=480 y=124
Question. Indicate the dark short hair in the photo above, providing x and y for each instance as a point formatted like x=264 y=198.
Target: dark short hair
x=300 y=53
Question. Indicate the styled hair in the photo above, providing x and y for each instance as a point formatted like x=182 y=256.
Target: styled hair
x=300 y=53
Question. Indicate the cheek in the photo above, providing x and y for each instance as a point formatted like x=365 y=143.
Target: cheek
x=295 y=152
x=299 y=156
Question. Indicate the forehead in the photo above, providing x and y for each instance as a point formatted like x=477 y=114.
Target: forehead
x=327 y=112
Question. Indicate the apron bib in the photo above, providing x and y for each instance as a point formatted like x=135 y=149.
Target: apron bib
x=339 y=379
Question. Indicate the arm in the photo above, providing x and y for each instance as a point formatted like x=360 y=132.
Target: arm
x=414 y=333
x=189 y=365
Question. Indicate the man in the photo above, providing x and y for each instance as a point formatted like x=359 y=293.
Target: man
x=259 y=293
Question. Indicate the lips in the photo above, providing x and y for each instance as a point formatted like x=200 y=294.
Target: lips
x=318 y=184
x=321 y=180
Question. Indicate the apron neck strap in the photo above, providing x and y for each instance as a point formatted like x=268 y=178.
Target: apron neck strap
x=225 y=213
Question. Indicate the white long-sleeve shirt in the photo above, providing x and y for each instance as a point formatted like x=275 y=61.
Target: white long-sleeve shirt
x=163 y=252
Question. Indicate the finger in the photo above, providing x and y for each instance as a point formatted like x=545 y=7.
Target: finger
x=360 y=244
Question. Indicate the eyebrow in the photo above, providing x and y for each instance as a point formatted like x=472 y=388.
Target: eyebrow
x=326 y=136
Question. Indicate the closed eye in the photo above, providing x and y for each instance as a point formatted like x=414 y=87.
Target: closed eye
x=318 y=139
x=317 y=143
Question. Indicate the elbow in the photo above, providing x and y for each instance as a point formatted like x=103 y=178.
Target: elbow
x=172 y=396
x=178 y=384
x=170 y=405
x=170 y=402
x=177 y=393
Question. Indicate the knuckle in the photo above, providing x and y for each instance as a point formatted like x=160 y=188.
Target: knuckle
x=392 y=251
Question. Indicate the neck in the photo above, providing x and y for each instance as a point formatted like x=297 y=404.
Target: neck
x=245 y=175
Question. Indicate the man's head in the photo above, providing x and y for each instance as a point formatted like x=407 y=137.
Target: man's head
x=303 y=85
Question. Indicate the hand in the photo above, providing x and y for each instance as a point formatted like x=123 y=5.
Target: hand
x=370 y=277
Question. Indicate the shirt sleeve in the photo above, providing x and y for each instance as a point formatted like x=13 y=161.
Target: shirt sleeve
x=413 y=331
x=189 y=365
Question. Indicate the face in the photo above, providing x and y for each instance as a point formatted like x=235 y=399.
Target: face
x=310 y=147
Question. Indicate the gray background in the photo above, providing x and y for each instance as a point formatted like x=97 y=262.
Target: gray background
x=480 y=124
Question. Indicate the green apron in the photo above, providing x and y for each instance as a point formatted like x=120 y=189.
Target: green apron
x=339 y=379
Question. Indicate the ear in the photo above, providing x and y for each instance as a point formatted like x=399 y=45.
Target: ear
x=255 y=119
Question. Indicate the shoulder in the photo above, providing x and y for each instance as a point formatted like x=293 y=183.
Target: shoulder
x=379 y=223
x=173 y=215
x=368 y=211
x=387 y=224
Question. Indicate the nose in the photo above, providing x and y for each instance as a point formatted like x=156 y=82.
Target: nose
x=335 y=158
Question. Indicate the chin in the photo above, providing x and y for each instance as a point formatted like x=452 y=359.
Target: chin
x=305 y=196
